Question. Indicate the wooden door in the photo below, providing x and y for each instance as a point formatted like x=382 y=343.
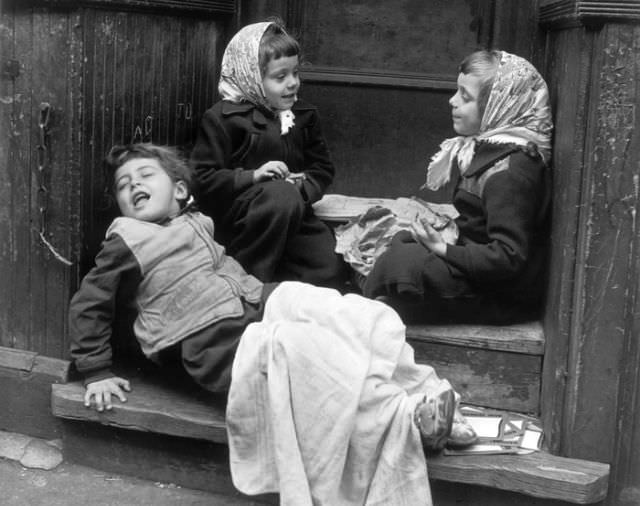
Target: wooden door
x=78 y=77
x=40 y=177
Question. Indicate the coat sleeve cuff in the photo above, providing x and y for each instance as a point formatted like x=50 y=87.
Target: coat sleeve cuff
x=456 y=256
x=243 y=179
x=310 y=191
x=97 y=375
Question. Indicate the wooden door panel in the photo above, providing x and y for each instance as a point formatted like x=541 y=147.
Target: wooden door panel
x=146 y=78
x=106 y=72
x=39 y=211
x=400 y=36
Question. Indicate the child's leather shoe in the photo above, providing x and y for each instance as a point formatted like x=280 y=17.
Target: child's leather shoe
x=434 y=417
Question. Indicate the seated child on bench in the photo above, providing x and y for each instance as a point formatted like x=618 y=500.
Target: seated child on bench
x=496 y=171
x=326 y=379
x=261 y=160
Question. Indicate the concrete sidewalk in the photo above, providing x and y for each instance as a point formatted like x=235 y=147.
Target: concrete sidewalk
x=33 y=473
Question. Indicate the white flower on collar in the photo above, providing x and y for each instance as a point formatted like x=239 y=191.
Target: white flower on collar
x=286 y=121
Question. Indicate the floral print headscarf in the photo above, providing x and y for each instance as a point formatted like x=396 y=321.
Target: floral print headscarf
x=517 y=112
x=240 y=77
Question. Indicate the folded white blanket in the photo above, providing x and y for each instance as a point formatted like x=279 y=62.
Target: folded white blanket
x=321 y=403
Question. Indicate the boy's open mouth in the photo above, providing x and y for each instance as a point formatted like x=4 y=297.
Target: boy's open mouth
x=139 y=198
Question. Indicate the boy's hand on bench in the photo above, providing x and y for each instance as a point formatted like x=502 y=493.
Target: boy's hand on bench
x=101 y=392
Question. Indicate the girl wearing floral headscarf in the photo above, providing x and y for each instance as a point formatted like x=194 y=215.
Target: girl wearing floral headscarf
x=497 y=168
x=261 y=160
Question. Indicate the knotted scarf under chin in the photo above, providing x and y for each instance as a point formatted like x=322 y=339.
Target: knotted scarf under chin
x=517 y=112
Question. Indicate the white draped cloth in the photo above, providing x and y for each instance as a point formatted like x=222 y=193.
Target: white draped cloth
x=321 y=403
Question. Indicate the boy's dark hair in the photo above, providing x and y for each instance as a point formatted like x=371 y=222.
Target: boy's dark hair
x=276 y=43
x=168 y=158
x=483 y=64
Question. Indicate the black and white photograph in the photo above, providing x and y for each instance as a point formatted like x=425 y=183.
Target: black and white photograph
x=319 y=252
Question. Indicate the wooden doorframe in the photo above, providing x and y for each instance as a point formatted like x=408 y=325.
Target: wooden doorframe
x=591 y=379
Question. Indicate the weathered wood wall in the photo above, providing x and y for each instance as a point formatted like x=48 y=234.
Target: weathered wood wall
x=39 y=176
x=570 y=69
x=592 y=372
x=146 y=78
x=93 y=74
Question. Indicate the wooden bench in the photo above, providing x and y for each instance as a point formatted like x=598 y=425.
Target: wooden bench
x=493 y=366
x=190 y=420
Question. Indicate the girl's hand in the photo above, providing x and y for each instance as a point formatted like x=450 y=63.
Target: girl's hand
x=424 y=233
x=101 y=392
x=271 y=170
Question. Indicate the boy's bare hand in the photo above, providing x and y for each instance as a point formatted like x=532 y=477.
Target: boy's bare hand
x=101 y=392
x=424 y=233
x=271 y=170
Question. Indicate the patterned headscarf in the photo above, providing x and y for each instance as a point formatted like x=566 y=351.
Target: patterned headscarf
x=240 y=76
x=517 y=112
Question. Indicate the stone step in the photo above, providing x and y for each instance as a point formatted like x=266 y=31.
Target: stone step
x=493 y=366
x=193 y=421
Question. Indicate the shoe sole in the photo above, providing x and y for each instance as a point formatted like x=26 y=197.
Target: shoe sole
x=455 y=444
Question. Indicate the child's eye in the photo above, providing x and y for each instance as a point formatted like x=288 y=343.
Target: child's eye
x=121 y=185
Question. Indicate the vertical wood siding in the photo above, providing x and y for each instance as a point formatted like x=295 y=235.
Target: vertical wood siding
x=591 y=393
x=37 y=181
x=108 y=77
x=146 y=78
x=607 y=383
x=569 y=68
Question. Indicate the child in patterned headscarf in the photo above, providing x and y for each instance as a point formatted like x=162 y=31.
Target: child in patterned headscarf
x=261 y=160
x=497 y=169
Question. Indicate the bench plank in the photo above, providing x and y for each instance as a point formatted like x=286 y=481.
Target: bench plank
x=494 y=379
x=538 y=474
x=151 y=408
x=178 y=412
x=525 y=337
